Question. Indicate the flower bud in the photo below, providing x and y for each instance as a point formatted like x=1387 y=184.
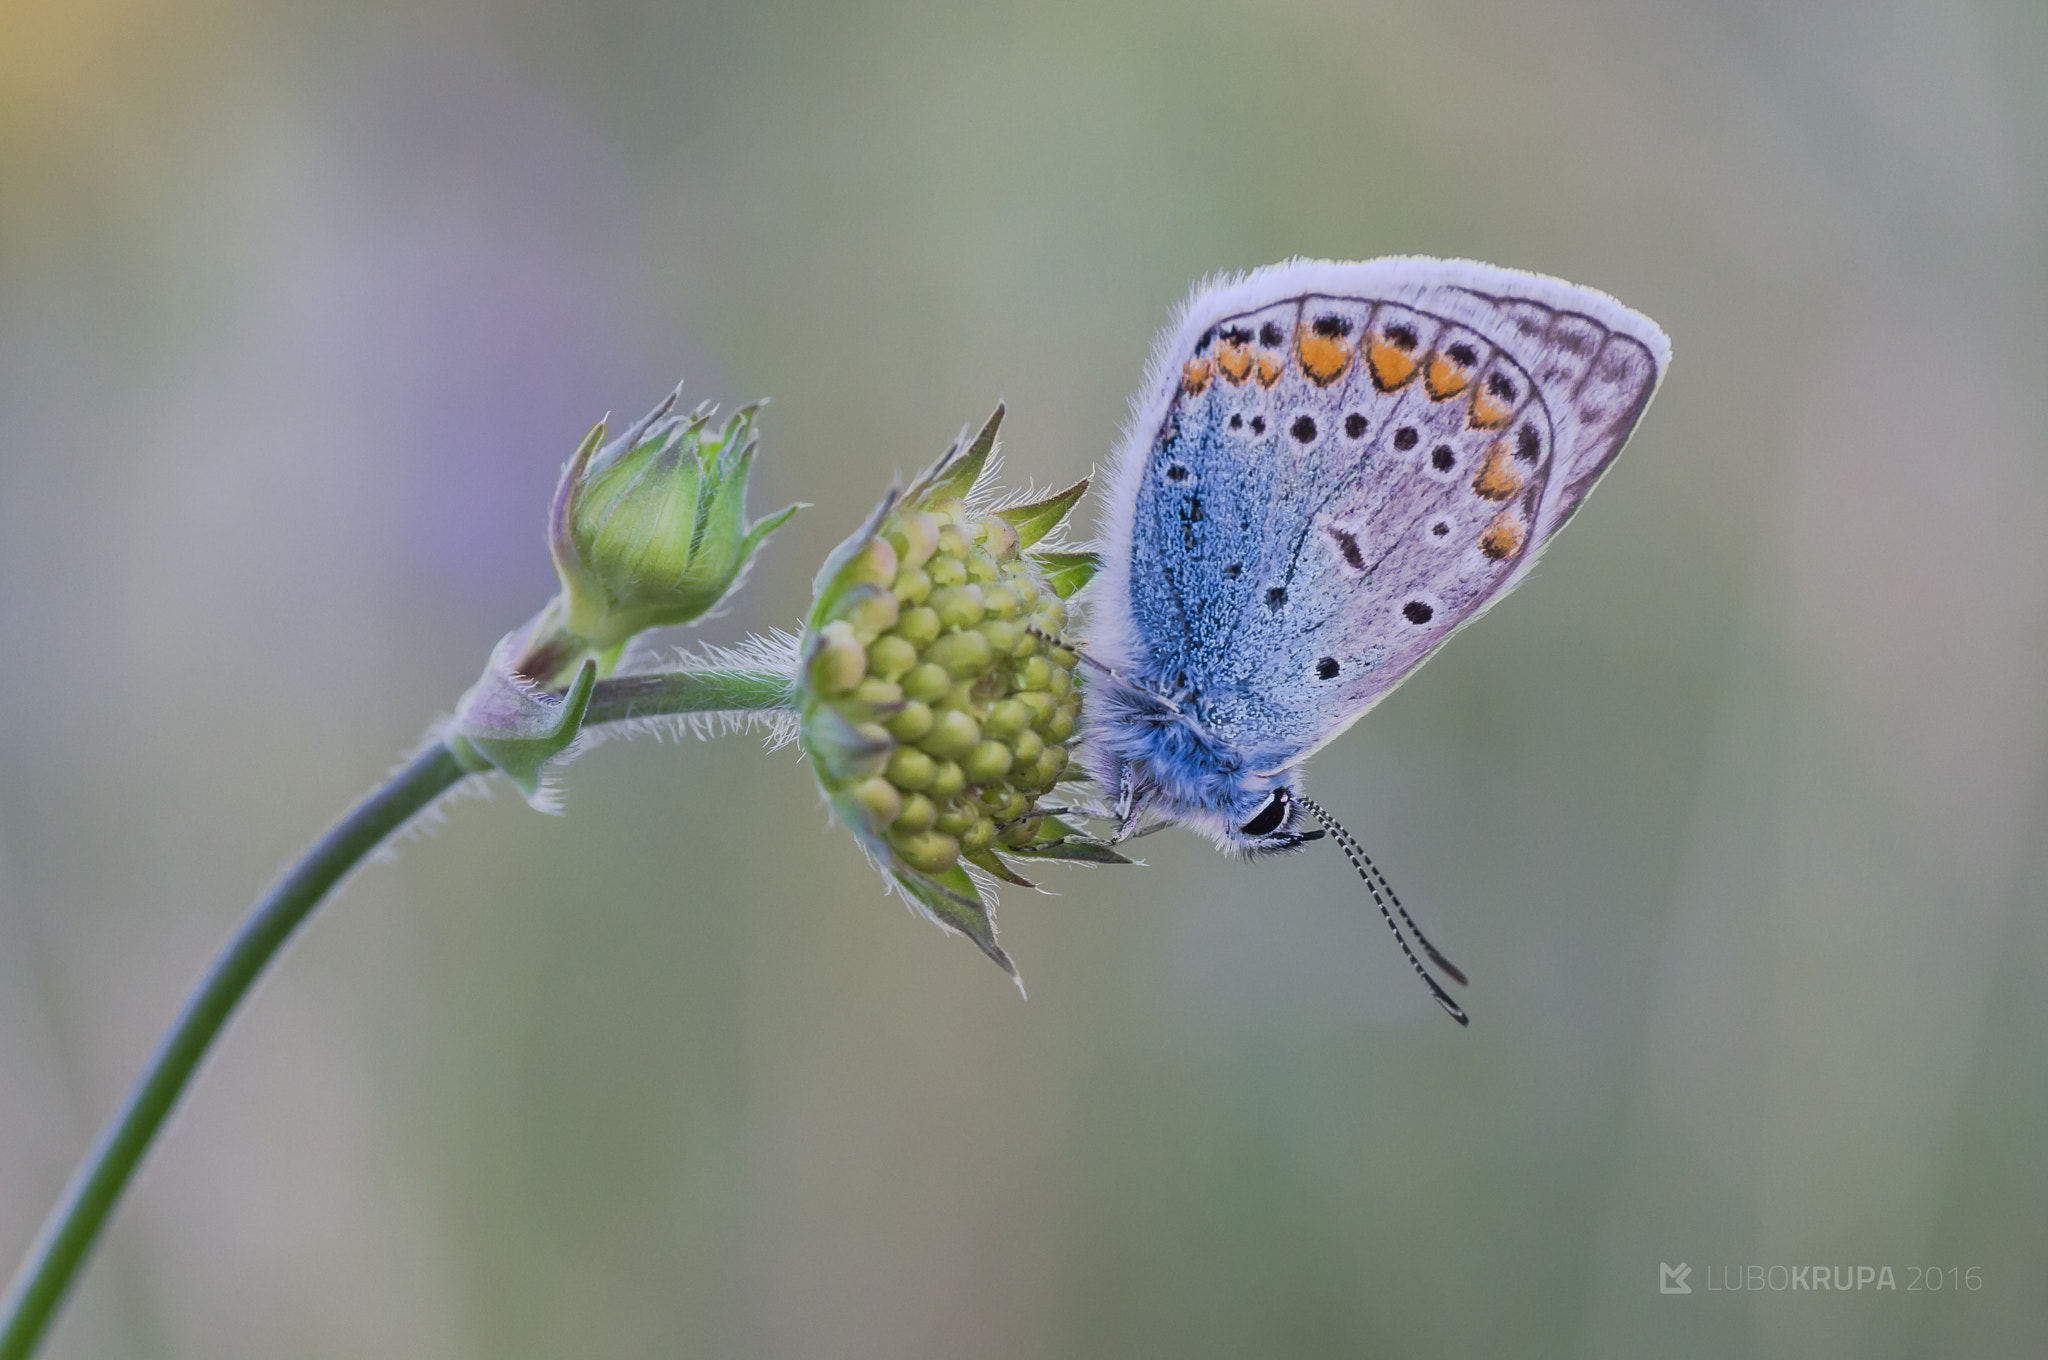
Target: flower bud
x=650 y=530
x=646 y=531
x=919 y=639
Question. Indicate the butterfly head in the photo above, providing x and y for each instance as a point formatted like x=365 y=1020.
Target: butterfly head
x=1263 y=815
x=1163 y=766
x=1267 y=825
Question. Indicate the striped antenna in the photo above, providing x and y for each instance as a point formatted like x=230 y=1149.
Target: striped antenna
x=1375 y=881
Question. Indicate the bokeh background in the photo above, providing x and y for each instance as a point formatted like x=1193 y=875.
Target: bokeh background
x=1734 y=813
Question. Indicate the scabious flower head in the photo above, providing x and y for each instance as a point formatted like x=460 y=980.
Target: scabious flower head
x=935 y=696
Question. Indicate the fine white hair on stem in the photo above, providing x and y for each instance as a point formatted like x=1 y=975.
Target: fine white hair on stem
x=772 y=653
x=428 y=821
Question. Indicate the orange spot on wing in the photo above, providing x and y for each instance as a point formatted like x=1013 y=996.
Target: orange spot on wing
x=1234 y=361
x=1498 y=478
x=1392 y=364
x=1269 y=370
x=1445 y=377
x=1503 y=535
x=1491 y=410
x=1194 y=377
x=1323 y=357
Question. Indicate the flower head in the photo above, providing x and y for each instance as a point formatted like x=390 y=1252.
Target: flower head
x=935 y=697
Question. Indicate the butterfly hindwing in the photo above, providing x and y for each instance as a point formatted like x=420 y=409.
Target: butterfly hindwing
x=1342 y=464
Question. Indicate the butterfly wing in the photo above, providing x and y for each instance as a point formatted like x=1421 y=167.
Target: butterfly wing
x=1334 y=466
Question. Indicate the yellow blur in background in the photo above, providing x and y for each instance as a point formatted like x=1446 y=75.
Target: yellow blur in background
x=1734 y=813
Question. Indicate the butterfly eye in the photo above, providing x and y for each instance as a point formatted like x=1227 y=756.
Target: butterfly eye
x=1268 y=818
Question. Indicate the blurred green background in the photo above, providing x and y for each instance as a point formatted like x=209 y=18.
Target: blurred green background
x=1734 y=813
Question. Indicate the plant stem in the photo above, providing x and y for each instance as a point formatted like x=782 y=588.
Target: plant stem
x=625 y=697
x=74 y=1224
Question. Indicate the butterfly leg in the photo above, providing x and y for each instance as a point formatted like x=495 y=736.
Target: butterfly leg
x=1129 y=808
x=1128 y=812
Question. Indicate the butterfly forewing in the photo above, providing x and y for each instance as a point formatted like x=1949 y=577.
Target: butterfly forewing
x=1336 y=480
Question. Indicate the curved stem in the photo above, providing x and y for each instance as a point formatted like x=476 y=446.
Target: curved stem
x=73 y=1226
x=68 y=1235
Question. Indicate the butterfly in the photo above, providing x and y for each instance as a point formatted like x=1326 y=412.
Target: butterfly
x=1331 y=468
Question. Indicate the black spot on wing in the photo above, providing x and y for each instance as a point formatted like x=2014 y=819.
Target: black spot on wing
x=1347 y=544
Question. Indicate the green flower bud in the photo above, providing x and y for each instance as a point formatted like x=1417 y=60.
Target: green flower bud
x=947 y=780
x=879 y=798
x=841 y=663
x=913 y=586
x=927 y=682
x=911 y=721
x=919 y=627
x=932 y=853
x=987 y=762
x=650 y=530
x=646 y=531
x=917 y=814
x=961 y=654
x=927 y=701
x=910 y=768
x=1006 y=718
x=891 y=656
x=953 y=734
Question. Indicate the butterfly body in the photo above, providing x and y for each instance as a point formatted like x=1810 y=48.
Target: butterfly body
x=1332 y=467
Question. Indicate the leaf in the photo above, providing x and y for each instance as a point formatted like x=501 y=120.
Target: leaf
x=1067 y=572
x=954 y=477
x=952 y=900
x=1079 y=852
x=1034 y=521
x=990 y=862
x=517 y=728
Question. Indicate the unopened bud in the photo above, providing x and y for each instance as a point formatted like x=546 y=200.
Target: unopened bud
x=650 y=529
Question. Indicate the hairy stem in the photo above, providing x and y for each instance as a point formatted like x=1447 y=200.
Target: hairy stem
x=626 y=697
x=74 y=1225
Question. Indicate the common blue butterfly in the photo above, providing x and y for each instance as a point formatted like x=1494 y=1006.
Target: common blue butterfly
x=1332 y=467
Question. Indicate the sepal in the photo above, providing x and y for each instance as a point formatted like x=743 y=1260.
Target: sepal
x=509 y=724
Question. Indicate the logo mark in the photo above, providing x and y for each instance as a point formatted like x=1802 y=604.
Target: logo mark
x=1671 y=1279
